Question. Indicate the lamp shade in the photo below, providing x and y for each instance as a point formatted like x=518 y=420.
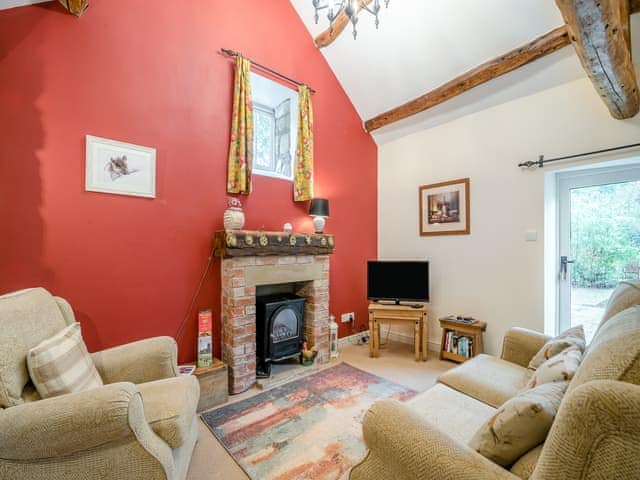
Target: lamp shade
x=319 y=207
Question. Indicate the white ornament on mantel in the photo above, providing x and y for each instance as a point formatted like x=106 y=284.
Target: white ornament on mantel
x=233 y=216
x=287 y=228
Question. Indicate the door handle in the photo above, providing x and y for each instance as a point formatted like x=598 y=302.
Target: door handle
x=564 y=261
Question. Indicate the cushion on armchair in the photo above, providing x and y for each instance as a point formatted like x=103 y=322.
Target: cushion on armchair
x=520 y=424
x=626 y=294
x=573 y=337
x=614 y=353
x=61 y=364
x=488 y=379
x=559 y=368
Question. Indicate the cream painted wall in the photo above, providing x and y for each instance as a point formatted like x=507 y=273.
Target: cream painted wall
x=493 y=273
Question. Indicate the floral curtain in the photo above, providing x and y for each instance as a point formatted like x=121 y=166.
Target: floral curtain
x=303 y=175
x=241 y=144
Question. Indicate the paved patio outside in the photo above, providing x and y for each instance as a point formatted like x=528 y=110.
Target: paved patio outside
x=587 y=308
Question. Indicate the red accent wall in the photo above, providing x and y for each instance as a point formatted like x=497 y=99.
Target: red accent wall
x=152 y=75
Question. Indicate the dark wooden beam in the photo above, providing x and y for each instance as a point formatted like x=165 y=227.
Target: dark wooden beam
x=600 y=32
x=339 y=24
x=243 y=243
x=75 y=7
x=541 y=46
x=634 y=6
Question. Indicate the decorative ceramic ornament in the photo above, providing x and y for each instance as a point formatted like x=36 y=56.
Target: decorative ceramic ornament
x=233 y=215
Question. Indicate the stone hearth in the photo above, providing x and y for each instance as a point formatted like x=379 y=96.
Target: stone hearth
x=309 y=276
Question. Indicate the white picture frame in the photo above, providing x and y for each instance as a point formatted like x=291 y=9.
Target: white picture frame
x=120 y=168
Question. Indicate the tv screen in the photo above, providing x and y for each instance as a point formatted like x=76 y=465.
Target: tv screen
x=400 y=281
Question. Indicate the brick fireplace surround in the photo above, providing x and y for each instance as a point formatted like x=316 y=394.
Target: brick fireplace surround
x=309 y=276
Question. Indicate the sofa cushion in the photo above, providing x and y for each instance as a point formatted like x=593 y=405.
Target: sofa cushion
x=626 y=294
x=573 y=337
x=519 y=425
x=614 y=353
x=559 y=368
x=526 y=464
x=454 y=413
x=61 y=364
x=170 y=407
x=27 y=317
x=488 y=379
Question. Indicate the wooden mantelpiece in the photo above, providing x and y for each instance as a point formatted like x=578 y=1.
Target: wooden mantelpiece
x=246 y=243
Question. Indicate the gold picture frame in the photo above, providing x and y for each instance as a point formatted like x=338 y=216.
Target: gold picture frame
x=445 y=208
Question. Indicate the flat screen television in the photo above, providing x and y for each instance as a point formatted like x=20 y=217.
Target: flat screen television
x=398 y=281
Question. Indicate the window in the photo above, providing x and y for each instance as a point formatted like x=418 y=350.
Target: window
x=264 y=140
x=275 y=119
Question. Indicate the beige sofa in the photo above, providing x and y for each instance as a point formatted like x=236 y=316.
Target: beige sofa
x=141 y=425
x=595 y=435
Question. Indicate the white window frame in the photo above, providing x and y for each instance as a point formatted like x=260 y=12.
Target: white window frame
x=257 y=170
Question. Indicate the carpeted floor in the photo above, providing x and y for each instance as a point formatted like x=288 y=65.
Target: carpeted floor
x=212 y=462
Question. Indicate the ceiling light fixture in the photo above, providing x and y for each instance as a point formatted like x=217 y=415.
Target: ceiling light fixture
x=351 y=9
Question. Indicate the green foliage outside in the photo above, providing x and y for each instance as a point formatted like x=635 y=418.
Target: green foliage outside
x=605 y=234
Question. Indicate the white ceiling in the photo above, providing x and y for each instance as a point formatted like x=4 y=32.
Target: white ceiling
x=4 y=4
x=424 y=43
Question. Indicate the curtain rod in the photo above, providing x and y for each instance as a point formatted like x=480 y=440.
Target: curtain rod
x=541 y=160
x=232 y=53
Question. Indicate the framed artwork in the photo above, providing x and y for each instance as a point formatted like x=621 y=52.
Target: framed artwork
x=445 y=208
x=120 y=168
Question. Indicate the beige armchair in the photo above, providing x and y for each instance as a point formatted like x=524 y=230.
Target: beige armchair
x=141 y=425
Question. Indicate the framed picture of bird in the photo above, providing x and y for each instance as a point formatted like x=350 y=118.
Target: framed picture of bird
x=120 y=168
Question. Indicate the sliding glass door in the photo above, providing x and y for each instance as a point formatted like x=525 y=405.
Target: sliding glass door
x=599 y=240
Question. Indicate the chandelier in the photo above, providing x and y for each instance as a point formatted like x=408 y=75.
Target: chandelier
x=351 y=9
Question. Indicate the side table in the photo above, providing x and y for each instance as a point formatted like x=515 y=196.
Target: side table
x=379 y=313
x=214 y=385
x=473 y=331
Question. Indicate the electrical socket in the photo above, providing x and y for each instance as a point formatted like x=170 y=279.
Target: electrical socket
x=348 y=317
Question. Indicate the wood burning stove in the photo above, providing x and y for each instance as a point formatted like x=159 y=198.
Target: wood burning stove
x=279 y=329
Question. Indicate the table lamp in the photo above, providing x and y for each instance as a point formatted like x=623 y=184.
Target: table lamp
x=319 y=210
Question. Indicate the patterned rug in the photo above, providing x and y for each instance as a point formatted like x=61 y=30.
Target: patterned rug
x=307 y=429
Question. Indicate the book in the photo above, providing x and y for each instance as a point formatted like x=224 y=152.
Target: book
x=205 y=350
x=186 y=369
x=462 y=342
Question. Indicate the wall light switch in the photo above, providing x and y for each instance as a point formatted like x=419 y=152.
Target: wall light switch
x=531 y=236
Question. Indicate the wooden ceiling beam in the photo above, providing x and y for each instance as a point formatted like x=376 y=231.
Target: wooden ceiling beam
x=75 y=7
x=538 y=48
x=600 y=33
x=339 y=24
x=514 y=59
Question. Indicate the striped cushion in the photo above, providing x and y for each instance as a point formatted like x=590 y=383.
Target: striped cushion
x=62 y=364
